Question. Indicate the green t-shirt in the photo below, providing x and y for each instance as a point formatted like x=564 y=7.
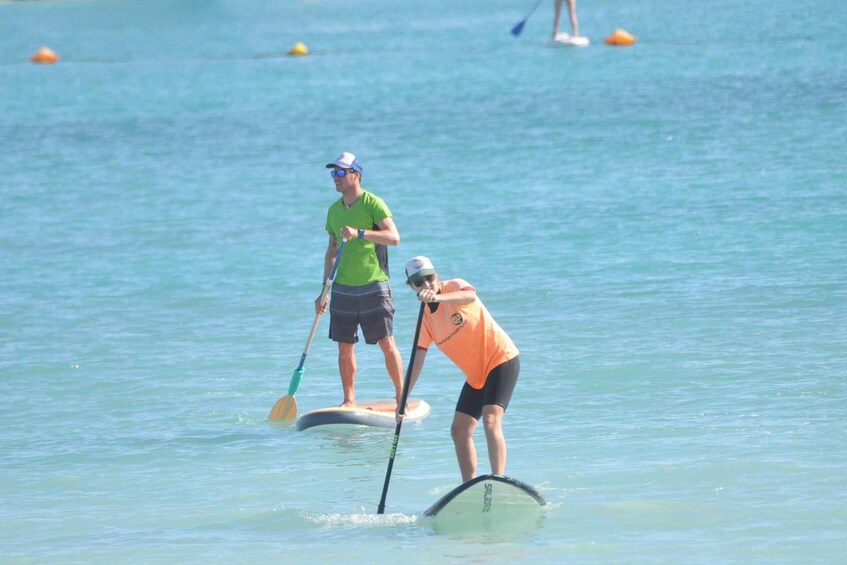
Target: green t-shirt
x=362 y=262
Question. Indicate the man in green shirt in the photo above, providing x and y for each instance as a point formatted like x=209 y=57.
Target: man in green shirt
x=361 y=294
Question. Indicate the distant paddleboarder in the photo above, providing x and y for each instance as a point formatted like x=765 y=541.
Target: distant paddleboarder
x=361 y=294
x=458 y=323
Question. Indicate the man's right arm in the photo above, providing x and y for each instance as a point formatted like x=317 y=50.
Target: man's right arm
x=329 y=257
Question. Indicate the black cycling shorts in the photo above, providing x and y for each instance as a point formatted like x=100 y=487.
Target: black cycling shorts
x=497 y=390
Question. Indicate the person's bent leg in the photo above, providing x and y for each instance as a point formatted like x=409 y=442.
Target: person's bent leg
x=492 y=419
x=376 y=316
x=347 y=368
x=343 y=324
x=462 y=432
x=497 y=393
x=393 y=363
x=573 y=17
x=558 y=14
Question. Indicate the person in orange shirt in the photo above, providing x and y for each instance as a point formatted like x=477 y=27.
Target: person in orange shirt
x=458 y=323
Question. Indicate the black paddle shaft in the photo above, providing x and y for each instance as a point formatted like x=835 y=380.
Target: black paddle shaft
x=404 y=396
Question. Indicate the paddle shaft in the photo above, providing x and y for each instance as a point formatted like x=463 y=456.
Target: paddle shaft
x=324 y=293
x=516 y=31
x=403 y=398
x=286 y=407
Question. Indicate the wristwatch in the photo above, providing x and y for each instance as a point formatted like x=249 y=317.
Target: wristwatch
x=361 y=233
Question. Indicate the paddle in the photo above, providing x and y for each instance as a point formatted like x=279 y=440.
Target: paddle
x=403 y=398
x=286 y=407
x=516 y=31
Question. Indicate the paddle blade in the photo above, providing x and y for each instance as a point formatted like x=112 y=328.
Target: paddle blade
x=284 y=409
x=516 y=31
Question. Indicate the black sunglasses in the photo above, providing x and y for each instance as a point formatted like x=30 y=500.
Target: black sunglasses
x=419 y=283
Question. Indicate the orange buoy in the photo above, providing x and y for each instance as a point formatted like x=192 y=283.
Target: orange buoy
x=620 y=37
x=44 y=55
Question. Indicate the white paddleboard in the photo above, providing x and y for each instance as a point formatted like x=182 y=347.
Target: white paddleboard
x=488 y=503
x=378 y=413
x=567 y=40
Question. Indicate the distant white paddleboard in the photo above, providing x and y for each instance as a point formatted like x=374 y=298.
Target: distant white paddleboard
x=488 y=503
x=567 y=40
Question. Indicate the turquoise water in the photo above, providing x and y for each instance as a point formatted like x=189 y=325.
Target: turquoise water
x=661 y=229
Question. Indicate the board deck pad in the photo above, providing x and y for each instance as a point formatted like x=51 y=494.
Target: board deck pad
x=493 y=503
x=379 y=413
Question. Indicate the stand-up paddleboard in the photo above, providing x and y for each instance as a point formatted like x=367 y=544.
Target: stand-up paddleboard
x=567 y=40
x=379 y=413
x=488 y=503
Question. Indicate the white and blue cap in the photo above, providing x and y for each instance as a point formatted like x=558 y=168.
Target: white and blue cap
x=417 y=268
x=346 y=161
